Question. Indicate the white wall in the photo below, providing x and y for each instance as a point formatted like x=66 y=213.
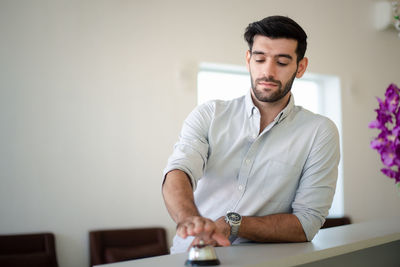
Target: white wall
x=93 y=94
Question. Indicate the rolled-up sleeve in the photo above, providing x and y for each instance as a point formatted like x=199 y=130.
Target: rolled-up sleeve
x=318 y=182
x=191 y=151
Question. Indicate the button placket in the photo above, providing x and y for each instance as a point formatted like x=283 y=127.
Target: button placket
x=244 y=172
x=255 y=125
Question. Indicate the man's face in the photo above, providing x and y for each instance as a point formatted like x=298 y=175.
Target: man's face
x=273 y=66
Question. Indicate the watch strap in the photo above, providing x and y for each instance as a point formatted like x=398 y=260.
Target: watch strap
x=234 y=226
x=235 y=229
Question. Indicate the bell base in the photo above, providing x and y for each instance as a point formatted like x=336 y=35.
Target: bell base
x=202 y=262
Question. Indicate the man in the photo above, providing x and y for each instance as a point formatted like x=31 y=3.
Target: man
x=256 y=168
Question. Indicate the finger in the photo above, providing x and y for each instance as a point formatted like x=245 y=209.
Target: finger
x=205 y=239
x=211 y=242
x=181 y=230
x=198 y=225
x=190 y=228
x=209 y=226
x=195 y=241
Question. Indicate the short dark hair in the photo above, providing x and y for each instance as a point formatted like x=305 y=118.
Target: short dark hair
x=278 y=27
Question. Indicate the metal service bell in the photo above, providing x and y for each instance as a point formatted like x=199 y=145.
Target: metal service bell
x=202 y=255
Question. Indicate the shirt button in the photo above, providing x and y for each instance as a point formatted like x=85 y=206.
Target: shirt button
x=240 y=187
x=248 y=161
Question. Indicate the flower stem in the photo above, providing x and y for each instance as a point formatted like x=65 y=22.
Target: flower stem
x=398 y=186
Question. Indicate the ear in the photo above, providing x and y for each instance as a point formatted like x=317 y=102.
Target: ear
x=248 y=57
x=302 y=66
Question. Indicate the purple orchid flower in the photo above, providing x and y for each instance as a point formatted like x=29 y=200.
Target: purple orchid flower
x=391 y=174
x=380 y=141
x=392 y=98
x=387 y=143
x=388 y=155
x=383 y=116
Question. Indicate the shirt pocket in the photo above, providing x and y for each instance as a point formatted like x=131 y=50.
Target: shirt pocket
x=281 y=181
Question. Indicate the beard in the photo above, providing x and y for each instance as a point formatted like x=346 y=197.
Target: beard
x=275 y=96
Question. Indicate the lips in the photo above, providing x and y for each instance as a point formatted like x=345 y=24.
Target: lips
x=268 y=84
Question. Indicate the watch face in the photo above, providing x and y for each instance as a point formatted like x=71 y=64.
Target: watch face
x=234 y=217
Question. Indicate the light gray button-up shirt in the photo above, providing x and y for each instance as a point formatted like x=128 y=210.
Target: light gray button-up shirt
x=291 y=167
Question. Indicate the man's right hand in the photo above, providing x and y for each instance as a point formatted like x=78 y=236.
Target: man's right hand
x=210 y=232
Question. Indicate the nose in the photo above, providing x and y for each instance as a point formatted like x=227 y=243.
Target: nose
x=269 y=69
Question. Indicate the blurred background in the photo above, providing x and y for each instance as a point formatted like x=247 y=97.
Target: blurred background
x=93 y=95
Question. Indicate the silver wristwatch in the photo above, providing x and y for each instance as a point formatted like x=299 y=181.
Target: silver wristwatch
x=233 y=219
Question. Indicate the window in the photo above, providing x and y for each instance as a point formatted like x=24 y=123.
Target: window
x=317 y=93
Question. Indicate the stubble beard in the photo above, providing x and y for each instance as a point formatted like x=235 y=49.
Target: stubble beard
x=275 y=96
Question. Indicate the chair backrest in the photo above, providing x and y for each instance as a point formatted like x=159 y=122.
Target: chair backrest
x=332 y=222
x=28 y=250
x=113 y=245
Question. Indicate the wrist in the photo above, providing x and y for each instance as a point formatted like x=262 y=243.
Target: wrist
x=234 y=220
x=223 y=226
x=185 y=215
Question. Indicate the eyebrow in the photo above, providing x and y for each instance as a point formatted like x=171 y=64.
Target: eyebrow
x=277 y=56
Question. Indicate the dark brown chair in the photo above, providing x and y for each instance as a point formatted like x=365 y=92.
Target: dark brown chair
x=332 y=222
x=107 y=246
x=28 y=250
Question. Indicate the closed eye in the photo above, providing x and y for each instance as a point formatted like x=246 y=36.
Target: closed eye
x=282 y=63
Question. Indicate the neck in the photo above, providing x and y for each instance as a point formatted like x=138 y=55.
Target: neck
x=269 y=110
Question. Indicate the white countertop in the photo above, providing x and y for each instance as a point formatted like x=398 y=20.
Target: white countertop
x=329 y=242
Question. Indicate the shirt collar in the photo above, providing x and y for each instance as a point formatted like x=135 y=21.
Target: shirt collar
x=250 y=107
x=286 y=111
x=249 y=104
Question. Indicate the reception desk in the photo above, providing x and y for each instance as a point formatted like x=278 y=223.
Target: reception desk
x=374 y=243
